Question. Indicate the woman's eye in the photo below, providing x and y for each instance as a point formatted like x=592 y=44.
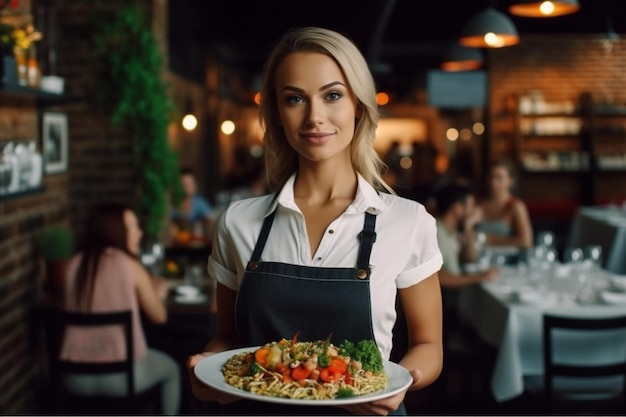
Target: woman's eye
x=294 y=100
x=333 y=96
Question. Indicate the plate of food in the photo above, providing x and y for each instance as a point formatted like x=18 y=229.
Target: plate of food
x=305 y=373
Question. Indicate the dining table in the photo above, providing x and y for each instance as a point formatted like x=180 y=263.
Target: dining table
x=604 y=226
x=507 y=313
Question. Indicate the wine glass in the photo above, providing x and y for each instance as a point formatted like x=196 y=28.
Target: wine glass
x=573 y=256
x=593 y=256
x=545 y=239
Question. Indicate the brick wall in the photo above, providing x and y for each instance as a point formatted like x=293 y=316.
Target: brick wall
x=99 y=168
x=561 y=67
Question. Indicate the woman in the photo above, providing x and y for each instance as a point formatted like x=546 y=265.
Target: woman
x=505 y=220
x=105 y=276
x=320 y=116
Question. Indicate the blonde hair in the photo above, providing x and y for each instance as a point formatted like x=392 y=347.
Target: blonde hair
x=281 y=160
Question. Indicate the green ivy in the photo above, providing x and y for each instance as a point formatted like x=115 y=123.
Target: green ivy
x=136 y=97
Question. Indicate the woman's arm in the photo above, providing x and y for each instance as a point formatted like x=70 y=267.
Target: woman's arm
x=150 y=303
x=423 y=311
x=424 y=358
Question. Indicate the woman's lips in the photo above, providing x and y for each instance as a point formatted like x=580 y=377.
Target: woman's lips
x=316 y=138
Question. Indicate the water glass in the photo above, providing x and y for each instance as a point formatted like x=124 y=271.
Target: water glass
x=194 y=275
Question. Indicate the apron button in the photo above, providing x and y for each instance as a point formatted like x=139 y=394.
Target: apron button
x=361 y=273
x=253 y=265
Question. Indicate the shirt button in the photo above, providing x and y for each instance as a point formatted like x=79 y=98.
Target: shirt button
x=331 y=231
x=319 y=258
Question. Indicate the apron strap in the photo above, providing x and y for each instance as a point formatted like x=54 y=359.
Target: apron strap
x=367 y=238
x=265 y=231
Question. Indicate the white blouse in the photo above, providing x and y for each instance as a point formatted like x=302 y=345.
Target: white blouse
x=405 y=252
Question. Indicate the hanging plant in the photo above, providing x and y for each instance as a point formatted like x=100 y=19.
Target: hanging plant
x=135 y=95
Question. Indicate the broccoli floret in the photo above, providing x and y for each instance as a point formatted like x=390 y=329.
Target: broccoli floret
x=345 y=393
x=365 y=352
x=254 y=368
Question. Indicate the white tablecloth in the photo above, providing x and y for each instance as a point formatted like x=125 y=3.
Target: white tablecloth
x=604 y=226
x=515 y=327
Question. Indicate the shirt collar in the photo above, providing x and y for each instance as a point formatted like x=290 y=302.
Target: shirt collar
x=366 y=199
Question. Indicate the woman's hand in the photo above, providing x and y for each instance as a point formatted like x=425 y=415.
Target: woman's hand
x=386 y=405
x=202 y=391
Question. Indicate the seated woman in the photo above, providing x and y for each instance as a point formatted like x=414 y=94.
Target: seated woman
x=105 y=276
x=505 y=220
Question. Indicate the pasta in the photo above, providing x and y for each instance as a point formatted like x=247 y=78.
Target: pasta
x=307 y=370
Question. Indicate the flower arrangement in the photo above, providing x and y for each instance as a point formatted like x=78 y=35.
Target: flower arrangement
x=10 y=4
x=25 y=37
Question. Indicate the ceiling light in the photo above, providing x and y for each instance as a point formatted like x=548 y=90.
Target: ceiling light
x=489 y=29
x=461 y=58
x=534 y=8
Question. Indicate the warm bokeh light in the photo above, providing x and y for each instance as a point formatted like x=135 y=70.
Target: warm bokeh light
x=493 y=40
x=452 y=134
x=546 y=8
x=228 y=127
x=382 y=99
x=189 y=122
x=478 y=128
x=257 y=98
x=406 y=162
x=466 y=134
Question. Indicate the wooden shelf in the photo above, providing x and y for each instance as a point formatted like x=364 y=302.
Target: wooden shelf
x=43 y=97
x=22 y=193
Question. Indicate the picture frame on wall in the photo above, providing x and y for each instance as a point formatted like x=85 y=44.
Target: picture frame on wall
x=55 y=142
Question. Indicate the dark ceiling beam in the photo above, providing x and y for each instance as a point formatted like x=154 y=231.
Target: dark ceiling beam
x=373 y=50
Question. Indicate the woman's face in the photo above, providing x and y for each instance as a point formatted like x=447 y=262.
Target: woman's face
x=500 y=180
x=316 y=107
x=133 y=232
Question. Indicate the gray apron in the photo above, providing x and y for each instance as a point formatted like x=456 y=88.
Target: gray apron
x=276 y=300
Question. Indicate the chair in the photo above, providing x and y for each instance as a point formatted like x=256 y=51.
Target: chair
x=592 y=396
x=147 y=402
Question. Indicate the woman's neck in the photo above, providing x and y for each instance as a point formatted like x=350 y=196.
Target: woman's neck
x=323 y=182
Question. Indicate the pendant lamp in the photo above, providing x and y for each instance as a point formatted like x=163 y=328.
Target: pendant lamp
x=534 y=8
x=461 y=58
x=489 y=29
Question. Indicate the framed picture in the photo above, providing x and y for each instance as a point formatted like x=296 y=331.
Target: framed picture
x=55 y=142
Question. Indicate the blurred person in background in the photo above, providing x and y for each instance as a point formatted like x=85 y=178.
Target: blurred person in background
x=195 y=215
x=457 y=217
x=504 y=217
x=105 y=275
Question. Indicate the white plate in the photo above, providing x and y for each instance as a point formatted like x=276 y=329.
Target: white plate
x=209 y=371
x=182 y=299
x=611 y=297
x=618 y=282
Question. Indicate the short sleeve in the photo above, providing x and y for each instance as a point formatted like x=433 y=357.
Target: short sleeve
x=221 y=264
x=426 y=253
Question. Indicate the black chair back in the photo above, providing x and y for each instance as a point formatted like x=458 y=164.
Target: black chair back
x=59 y=320
x=592 y=326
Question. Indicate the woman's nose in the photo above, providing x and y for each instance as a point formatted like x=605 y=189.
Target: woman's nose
x=316 y=113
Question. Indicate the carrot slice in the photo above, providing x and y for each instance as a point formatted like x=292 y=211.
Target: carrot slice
x=260 y=355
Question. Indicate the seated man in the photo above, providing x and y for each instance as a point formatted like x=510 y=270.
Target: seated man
x=195 y=214
x=456 y=219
